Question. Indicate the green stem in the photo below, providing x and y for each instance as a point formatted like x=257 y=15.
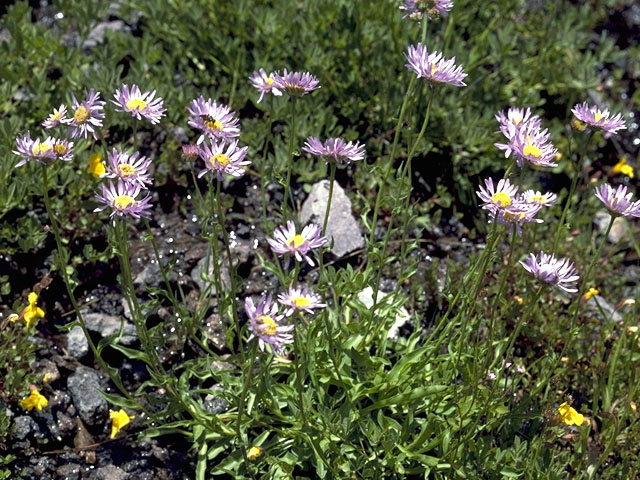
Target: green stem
x=62 y=268
x=567 y=204
x=332 y=166
x=232 y=276
x=248 y=379
x=292 y=139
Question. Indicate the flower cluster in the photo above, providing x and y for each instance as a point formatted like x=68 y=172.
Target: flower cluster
x=527 y=141
x=433 y=67
x=507 y=207
x=556 y=271
x=42 y=151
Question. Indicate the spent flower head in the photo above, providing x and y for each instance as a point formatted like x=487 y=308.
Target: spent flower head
x=58 y=117
x=433 y=67
x=592 y=116
x=286 y=241
x=139 y=104
x=300 y=298
x=266 y=325
x=335 y=149
x=218 y=160
x=557 y=271
x=215 y=121
x=131 y=168
x=122 y=198
x=87 y=115
x=295 y=84
x=264 y=83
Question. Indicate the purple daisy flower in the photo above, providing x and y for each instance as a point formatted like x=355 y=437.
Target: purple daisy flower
x=538 y=198
x=58 y=117
x=499 y=197
x=130 y=168
x=300 y=298
x=265 y=324
x=557 y=271
x=417 y=8
x=139 y=104
x=86 y=115
x=30 y=149
x=516 y=118
x=285 y=240
x=528 y=142
x=62 y=149
x=618 y=201
x=219 y=161
x=433 y=67
x=335 y=148
x=264 y=83
x=295 y=84
x=215 y=121
x=122 y=199
x=596 y=118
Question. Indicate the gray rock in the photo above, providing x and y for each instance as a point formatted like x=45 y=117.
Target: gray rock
x=609 y=310
x=619 y=229
x=110 y=472
x=49 y=370
x=25 y=426
x=77 y=344
x=199 y=271
x=65 y=424
x=342 y=226
x=402 y=315
x=70 y=471
x=215 y=404
x=107 y=325
x=96 y=36
x=84 y=386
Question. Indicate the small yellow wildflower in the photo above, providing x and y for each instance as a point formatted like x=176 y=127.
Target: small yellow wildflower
x=592 y=292
x=623 y=167
x=569 y=415
x=254 y=452
x=34 y=400
x=633 y=406
x=32 y=312
x=13 y=317
x=96 y=167
x=631 y=329
x=119 y=420
x=558 y=156
x=518 y=299
x=625 y=302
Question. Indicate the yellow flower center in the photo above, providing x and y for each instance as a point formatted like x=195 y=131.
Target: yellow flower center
x=516 y=121
x=597 y=117
x=126 y=170
x=501 y=199
x=81 y=114
x=434 y=69
x=538 y=198
x=214 y=125
x=220 y=159
x=531 y=149
x=56 y=116
x=296 y=241
x=271 y=328
x=269 y=81
x=40 y=148
x=578 y=125
x=123 y=201
x=136 y=104
x=301 y=302
x=60 y=148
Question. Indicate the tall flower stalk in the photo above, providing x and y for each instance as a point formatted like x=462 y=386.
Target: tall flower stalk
x=292 y=138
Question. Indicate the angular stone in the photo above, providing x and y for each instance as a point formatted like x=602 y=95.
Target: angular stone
x=77 y=344
x=402 y=315
x=618 y=230
x=107 y=325
x=84 y=386
x=342 y=227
